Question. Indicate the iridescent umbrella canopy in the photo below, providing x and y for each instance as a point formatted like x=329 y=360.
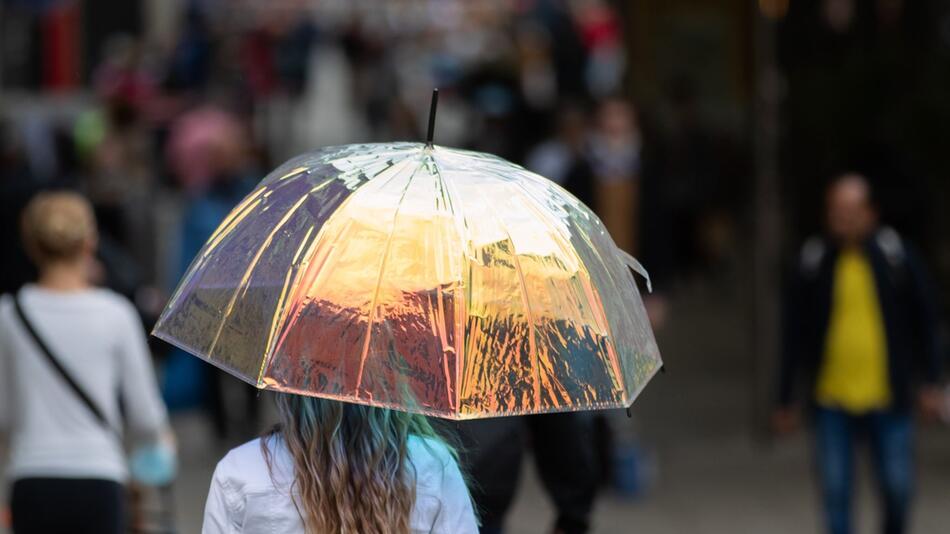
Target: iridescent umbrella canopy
x=420 y=278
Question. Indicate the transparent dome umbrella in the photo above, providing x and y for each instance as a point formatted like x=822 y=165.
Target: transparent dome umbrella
x=421 y=278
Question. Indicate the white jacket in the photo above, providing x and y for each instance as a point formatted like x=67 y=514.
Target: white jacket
x=245 y=498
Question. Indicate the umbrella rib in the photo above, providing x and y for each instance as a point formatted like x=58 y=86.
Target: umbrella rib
x=222 y=232
x=291 y=315
x=278 y=315
x=379 y=280
x=293 y=275
x=613 y=281
x=240 y=213
x=295 y=302
x=532 y=342
x=600 y=317
x=237 y=215
x=245 y=280
x=461 y=304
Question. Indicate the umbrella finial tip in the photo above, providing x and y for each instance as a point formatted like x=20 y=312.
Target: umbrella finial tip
x=432 y=107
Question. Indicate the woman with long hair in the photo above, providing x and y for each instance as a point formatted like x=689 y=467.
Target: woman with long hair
x=70 y=354
x=331 y=467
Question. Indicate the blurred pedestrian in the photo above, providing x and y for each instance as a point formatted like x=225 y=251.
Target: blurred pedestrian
x=862 y=322
x=70 y=355
x=563 y=158
x=121 y=163
x=209 y=154
x=614 y=154
x=600 y=28
x=564 y=449
x=18 y=183
x=336 y=467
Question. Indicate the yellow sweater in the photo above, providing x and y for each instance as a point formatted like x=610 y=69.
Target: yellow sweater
x=853 y=375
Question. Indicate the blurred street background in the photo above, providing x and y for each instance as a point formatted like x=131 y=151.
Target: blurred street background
x=703 y=134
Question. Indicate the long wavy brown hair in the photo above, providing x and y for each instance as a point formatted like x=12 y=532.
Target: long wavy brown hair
x=351 y=474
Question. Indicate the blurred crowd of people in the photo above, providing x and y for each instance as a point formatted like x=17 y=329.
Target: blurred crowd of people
x=166 y=137
x=173 y=135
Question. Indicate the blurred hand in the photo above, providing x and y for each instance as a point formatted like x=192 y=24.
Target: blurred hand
x=786 y=420
x=166 y=438
x=930 y=403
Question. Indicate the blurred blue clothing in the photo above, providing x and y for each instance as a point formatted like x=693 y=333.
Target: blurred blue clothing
x=890 y=435
x=185 y=377
x=190 y=64
x=206 y=211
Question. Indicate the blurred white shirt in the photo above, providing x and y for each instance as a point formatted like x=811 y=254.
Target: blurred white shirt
x=244 y=497
x=96 y=335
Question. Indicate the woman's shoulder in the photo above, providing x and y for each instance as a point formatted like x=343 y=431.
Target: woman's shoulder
x=430 y=449
x=242 y=460
x=440 y=482
x=432 y=460
x=246 y=466
x=243 y=452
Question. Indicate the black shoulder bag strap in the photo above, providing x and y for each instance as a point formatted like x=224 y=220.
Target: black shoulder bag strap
x=44 y=349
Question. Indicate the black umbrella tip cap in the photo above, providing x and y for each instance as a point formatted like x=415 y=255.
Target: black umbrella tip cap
x=432 y=108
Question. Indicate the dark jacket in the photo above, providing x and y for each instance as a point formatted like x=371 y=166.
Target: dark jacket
x=907 y=308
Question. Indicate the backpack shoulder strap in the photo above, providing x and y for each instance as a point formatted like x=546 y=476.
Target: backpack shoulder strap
x=891 y=244
x=812 y=254
x=57 y=366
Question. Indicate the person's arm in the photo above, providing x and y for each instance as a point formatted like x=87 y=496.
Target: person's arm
x=219 y=515
x=457 y=515
x=145 y=411
x=785 y=417
x=928 y=358
x=790 y=356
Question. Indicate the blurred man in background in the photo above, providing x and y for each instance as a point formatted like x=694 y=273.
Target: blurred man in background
x=862 y=322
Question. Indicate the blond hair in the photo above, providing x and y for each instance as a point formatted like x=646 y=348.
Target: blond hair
x=352 y=471
x=57 y=226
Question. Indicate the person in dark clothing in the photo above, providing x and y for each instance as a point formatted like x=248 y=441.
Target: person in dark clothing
x=82 y=505
x=861 y=324
x=562 y=158
x=566 y=459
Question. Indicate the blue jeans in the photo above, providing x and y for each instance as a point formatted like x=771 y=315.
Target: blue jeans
x=890 y=436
